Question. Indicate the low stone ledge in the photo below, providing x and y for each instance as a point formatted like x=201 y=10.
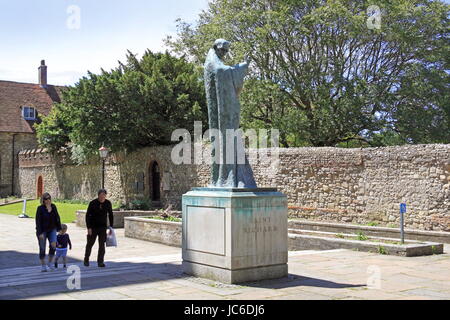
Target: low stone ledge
x=14 y=202
x=410 y=234
x=154 y=230
x=409 y=249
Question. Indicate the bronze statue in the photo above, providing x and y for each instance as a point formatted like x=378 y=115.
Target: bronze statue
x=223 y=85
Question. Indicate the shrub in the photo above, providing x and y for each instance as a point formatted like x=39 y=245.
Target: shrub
x=140 y=205
x=361 y=236
x=382 y=250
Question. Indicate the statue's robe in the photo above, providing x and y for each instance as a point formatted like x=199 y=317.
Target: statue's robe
x=223 y=85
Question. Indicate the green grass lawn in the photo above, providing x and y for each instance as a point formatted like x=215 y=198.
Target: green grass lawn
x=67 y=211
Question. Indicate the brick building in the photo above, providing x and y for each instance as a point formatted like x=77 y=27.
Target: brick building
x=21 y=106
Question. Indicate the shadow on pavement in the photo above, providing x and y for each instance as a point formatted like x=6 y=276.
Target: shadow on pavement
x=16 y=259
x=293 y=280
x=22 y=281
x=21 y=277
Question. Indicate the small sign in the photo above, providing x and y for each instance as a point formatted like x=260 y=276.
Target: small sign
x=402 y=207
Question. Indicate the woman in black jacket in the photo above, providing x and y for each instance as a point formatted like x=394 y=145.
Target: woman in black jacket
x=48 y=223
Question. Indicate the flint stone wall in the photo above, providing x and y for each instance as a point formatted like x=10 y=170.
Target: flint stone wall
x=324 y=184
x=10 y=145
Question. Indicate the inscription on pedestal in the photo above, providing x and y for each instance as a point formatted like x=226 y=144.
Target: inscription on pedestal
x=262 y=224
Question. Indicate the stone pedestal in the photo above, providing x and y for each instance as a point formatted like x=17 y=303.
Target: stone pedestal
x=235 y=235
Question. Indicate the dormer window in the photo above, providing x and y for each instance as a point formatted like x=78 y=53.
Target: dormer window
x=29 y=113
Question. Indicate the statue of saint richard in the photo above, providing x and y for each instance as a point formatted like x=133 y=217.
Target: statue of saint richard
x=230 y=167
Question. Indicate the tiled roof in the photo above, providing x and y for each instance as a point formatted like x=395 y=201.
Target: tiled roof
x=14 y=95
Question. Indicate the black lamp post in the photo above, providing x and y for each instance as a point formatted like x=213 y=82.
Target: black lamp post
x=103 y=154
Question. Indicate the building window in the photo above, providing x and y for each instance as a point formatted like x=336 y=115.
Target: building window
x=29 y=113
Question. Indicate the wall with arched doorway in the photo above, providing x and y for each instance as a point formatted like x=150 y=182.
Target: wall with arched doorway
x=327 y=184
x=154 y=181
x=39 y=186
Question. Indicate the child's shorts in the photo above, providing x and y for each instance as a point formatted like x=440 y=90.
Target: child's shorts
x=61 y=252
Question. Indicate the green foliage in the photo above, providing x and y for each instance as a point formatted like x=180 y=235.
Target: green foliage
x=137 y=205
x=382 y=250
x=67 y=211
x=138 y=104
x=434 y=249
x=78 y=154
x=168 y=218
x=322 y=77
x=373 y=224
x=117 y=205
x=361 y=236
x=339 y=235
x=53 y=132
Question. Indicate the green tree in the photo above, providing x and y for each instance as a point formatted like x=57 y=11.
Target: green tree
x=138 y=104
x=323 y=77
x=53 y=132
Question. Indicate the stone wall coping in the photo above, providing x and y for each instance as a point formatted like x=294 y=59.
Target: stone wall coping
x=414 y=248
x=33 y=151
x=356 y=150
x=373 y=228
x=298 y=150
x=407 y=244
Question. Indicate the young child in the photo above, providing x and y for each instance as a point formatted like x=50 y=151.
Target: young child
x=62 y=240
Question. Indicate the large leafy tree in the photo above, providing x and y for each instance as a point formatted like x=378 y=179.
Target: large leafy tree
x=137 y=104
x=324 y=77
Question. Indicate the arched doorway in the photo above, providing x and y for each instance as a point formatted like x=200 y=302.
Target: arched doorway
x=155 y=177
x=40 y=187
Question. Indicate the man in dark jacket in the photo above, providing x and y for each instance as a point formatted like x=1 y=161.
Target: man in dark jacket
x=97 y=223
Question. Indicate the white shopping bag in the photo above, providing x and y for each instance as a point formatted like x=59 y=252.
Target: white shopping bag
x=111 y=240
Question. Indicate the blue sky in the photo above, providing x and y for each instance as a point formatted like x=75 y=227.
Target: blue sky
x=33 y=30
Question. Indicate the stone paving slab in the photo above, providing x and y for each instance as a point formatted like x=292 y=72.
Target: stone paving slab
x=139 y=269
x=426 y=292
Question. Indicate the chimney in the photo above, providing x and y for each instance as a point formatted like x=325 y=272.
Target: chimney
x=43 y=74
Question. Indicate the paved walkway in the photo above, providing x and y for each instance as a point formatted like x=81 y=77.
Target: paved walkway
x=144 y=270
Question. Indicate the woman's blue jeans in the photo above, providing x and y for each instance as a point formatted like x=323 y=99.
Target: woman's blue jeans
x=51 y=236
